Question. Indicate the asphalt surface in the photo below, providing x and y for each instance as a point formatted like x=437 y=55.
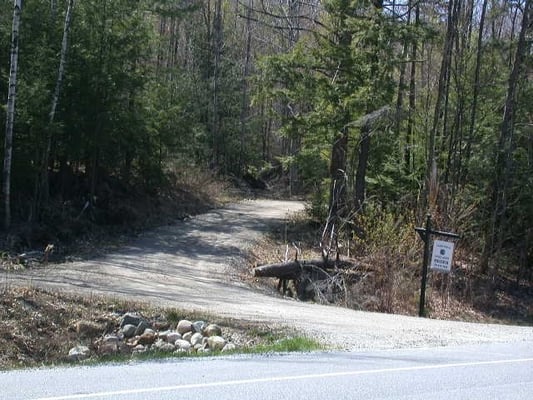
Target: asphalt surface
x=473 y=372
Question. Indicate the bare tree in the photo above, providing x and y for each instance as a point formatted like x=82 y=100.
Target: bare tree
x=10 y=114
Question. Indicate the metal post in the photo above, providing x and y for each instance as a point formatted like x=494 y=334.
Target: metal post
x=425 y=263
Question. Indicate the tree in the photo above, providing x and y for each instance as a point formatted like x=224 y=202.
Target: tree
x=501 y=183
x=10 y=113
x=41 y=197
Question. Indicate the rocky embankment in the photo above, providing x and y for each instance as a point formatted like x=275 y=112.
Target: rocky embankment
x=135 y=335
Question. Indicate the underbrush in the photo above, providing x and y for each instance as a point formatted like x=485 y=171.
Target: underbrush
x=381 y=271
x=73 y=223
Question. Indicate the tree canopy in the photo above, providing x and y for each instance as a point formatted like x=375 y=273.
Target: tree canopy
x=403 y=107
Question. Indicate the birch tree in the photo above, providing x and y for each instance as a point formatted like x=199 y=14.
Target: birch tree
x=43 y=192
x=10 y=114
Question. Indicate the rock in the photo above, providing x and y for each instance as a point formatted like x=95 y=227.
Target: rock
x=147 y=338
x=229 y=347
x=183 y=345
x=184 y=326
x=161 y=324
x=161 y=345
x=86 y=329
x=213 y=330
x=198 y=326
x=143 y=326
x=79 y=353
x=172 y=337
x=111 y=339
x=139 y=349
x=128 y=330
x=108 y=348
x=216 y=343
x=187 y=336
x=198 y=346
x=167 y=348
x=196 y=339
x=131 y=319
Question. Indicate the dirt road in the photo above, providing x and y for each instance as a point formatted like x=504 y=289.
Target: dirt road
x=191 y=264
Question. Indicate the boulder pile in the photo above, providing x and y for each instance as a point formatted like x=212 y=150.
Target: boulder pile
x=137 y=335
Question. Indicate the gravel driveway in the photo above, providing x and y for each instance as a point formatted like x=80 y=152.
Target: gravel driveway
x=190 y=265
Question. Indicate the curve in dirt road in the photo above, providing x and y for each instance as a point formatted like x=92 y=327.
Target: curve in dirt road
x=192 y=265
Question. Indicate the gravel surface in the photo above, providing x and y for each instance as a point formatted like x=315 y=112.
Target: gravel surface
x=193 y=265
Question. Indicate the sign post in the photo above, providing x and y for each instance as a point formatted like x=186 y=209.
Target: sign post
x=441 y=256
x=441 y=259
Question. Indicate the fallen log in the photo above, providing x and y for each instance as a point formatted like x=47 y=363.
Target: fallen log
x=293 y=269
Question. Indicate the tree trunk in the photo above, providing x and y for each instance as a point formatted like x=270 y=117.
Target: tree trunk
x=401 y=81
x=475 y=92
x=245 y=74
x=217 y=134
x=412 y=101
x=362 y=163
x=502 y=173
x=337 y=197
x=10 y=112
x=440 y=109
x=44 y=191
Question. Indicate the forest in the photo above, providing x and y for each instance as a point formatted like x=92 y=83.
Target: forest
x=379 y=112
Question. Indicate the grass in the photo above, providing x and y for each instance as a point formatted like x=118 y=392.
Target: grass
x=39 y=327
x=288 y=345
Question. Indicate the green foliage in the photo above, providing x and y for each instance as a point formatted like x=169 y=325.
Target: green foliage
x=138 y=97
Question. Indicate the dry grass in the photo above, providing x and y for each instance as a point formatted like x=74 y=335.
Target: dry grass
x=39 y=327
x=386 y=274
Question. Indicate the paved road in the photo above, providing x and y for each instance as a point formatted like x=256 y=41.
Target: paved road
x=191 y=265
x=472 y=372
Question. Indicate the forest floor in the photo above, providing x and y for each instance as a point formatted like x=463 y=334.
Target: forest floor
x=200 y=266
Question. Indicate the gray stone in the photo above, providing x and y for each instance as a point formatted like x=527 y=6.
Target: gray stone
x=198 y=326
x=129 y=330
x=111 y=339
x=139 y=349
x=213 y=330
x=216 y=343
x=229 y=347
x=196 y=339
x=184 y=326
x=131 y=319
x=79 y=353
x=108 y=348
x=161 y=345
x=163 y=335
x=187 y=336
x=183 y=344
x=197 y=347
x=143 y=326
x=172 y=337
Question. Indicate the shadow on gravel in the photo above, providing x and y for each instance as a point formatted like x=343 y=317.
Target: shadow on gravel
x=189 y=260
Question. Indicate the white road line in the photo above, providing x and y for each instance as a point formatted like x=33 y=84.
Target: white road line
x=279 y=379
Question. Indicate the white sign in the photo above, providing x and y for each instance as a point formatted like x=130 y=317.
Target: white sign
x=441 y=258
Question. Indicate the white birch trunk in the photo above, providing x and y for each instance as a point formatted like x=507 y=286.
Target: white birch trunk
x=62 y=60
x=44 y=192
x=10 y=114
